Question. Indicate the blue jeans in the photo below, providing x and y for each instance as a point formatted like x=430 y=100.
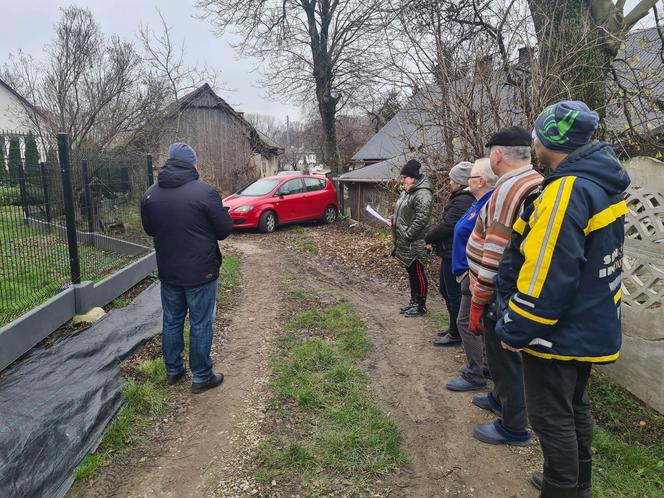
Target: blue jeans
x=201 y=303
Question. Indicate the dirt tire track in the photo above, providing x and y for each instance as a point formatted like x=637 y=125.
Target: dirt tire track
x=409 y=376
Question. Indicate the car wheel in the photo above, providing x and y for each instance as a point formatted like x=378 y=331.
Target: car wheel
x=330 y=214
x=267 y=222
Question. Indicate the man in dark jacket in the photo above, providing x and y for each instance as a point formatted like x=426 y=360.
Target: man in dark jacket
x=439 y=239
x=186 y=218
x=559 y=288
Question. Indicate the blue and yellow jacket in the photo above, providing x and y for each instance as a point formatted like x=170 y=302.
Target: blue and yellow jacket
x=559 y=280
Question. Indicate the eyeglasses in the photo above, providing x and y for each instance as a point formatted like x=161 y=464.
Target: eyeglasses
x=480 y=176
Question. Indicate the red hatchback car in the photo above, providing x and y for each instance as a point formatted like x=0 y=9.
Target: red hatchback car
x=277 y=200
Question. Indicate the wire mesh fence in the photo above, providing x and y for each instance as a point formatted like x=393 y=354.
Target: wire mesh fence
x=54 y=232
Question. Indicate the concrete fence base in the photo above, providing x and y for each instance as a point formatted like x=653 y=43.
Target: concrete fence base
x=21 y=335
x=91 y=239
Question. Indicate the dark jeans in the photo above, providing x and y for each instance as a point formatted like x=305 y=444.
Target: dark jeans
x=559 y=411
x=506 y=370
x=200 y=302
x=451 y=292
x=419 y=285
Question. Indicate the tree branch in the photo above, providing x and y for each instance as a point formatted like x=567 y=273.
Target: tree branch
x=639 y=11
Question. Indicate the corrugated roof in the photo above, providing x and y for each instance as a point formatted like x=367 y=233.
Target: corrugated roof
x=407 y=131
x=383 y=171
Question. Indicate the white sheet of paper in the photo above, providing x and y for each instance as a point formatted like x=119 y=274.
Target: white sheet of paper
x=375 y=214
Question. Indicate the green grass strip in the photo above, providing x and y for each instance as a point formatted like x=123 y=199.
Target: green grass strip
x=340 y=428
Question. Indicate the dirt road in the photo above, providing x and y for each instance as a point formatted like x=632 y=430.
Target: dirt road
x=207 y=444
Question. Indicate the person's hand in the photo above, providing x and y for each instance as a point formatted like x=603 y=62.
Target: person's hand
x=509 y=348
x=389 y=223
x=428 y=246
x=475 y=322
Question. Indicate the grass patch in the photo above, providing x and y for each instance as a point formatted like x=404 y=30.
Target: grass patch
x=621 y=469
x=154 y=370
x=120 y=302
x=341 y=322
x=298 y=238
x=34 y=266
x=230 y=271
x=629 y=442
x=340 y=434
x=89 y=466
x=142 y=401
x=296 y=294
x=439 y=319
x=622 y=414
x=229 y=279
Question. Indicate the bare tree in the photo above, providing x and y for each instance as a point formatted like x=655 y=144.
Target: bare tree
x=600 y=26
x=164 y=59
x=308 y=48
x=476 y=66
x=88 y=86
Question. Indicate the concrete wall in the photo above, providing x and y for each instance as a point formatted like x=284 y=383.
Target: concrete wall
x=21 y=335
x=641 y=365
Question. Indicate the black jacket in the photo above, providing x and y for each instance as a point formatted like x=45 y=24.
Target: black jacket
x=186 y=218
x=442 y=233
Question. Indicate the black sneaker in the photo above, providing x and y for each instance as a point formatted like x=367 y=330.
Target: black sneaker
x=200 y=387
x=407 y=307
x=415 y=310
x=175 y=378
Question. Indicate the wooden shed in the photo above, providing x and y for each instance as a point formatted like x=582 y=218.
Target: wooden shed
x=231 y=151
x=375 y=185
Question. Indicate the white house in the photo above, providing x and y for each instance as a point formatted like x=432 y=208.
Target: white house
x=14 y=110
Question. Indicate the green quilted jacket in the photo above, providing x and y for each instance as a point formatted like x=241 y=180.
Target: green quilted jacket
x=411 y=221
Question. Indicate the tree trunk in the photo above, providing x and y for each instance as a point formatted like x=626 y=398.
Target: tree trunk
x=327 y=107
x=574 y=57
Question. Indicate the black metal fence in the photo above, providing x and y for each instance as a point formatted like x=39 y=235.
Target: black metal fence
x=64 y=220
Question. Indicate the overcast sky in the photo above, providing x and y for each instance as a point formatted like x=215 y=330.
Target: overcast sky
x=28 y=25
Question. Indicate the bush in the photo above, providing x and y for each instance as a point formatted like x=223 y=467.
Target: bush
x=11 y=195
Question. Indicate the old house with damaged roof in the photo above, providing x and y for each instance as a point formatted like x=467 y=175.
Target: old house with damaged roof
x=231 y=151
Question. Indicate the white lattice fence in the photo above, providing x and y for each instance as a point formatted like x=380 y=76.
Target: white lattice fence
x=641 y=365
x=643 y=264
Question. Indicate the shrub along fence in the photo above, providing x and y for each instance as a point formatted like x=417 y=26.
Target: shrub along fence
x=70 y=234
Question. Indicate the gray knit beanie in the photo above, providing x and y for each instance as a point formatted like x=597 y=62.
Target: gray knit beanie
x=460 y=173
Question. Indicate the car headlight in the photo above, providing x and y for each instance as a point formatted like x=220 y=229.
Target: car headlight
x=243 y=209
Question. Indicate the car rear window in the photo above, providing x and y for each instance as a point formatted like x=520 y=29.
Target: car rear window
x=259 y=187
x=314 y=184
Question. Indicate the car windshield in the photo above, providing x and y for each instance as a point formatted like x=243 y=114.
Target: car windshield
x=259 y=187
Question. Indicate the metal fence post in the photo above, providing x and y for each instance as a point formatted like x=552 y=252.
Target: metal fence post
x=24 y=194
x=88 y=197
x=70 y=215
x=44 y=182
x=150 y=170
